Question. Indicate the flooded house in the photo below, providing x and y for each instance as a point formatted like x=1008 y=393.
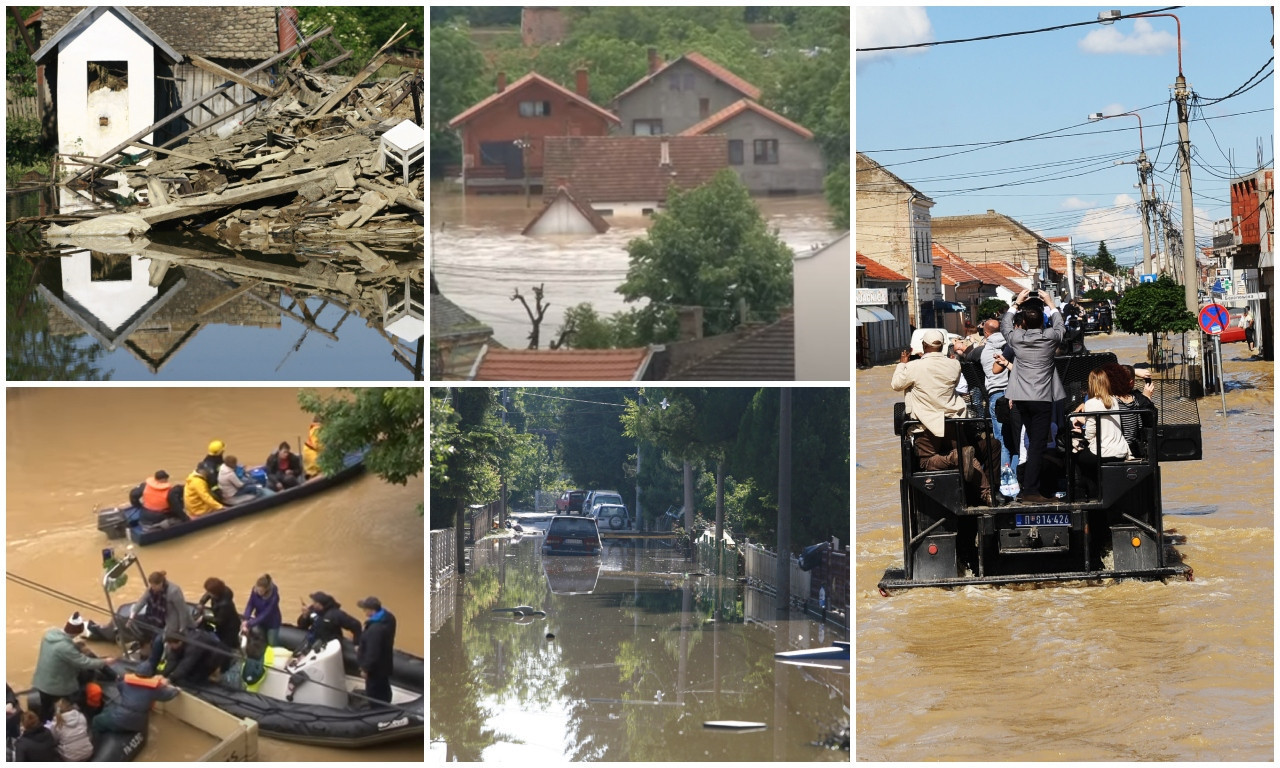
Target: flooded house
x=566 y=214
x=676 y=95
x=771 y=154
x=456 y=338
x=630 y=175
x=504 y=135
x=114 y=71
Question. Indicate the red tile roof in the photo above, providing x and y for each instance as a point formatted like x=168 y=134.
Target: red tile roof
x=582 y=206
x=706 y=65
x=765 y=354
x=561 y=364
x=611 y=169
x=1057 y=261
x=737 y=108
x=957 y=270
x=876 y=270
x=1007 y=269
x=532 y=77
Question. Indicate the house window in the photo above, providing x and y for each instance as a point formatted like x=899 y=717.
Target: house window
x=646 y=127
x=766 y=151
x=735 y=151
x=107 y=74
x=704 y=108
x=688 y=81
x=673 y=82
x=535 y=109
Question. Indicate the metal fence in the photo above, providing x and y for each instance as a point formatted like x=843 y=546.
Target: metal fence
x=833 y=575
x=761 y=569
x=480 y=519
x=729 y=564
x=443 y=562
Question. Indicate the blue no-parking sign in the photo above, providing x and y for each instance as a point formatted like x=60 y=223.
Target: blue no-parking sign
x=1214 y=319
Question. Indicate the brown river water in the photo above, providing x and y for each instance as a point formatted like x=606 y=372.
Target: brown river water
x=73 y=450
x=1126 y=671
x=479 y=257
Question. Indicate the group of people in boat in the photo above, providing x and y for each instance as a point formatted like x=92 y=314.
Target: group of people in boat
x=220 y=480
x=214 y=643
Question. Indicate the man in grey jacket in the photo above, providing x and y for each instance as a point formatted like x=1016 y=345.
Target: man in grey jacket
x=59 y=665
x=1034 y=385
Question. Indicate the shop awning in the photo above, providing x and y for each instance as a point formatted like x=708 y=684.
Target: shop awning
x=873 y=315
x=947 y=306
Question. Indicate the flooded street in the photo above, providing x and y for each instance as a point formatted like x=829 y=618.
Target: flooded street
x=180 y=307
x=73 y=450
x=1121 y=672
x=628 y=663
x=479 y=257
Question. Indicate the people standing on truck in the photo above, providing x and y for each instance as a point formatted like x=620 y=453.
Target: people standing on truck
x=929 y=387
x=996 y=382
x=1034 y=385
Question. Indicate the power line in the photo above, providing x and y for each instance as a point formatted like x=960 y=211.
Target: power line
x=1012 y=34
x=1245 y=88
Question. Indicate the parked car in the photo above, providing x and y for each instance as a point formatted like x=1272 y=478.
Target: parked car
x=600 y=497
x=614 y=515
x=570 y=502
x=572 y=535
x=1233 y=332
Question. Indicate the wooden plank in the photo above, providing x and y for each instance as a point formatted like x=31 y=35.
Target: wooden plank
x=230 y=198
x=401 y=61
x=346 y=90
x=220 y=71
x=398 y=195
x=155 y=193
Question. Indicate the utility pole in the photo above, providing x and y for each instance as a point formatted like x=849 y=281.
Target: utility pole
x=1189 y=271
x=640 y=401
x=1144 y=173
x=783 y=577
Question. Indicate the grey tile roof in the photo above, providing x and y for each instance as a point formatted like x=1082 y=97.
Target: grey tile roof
x=223 y=32
x=765 y=354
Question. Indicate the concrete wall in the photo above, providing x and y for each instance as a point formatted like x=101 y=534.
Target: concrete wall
x=562 y=218
x=677 y=109
x=799 y=169
x=127 y=111
x=985 y=238
x=822 y=306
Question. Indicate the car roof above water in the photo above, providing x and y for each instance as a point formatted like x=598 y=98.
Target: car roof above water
x=570 y=524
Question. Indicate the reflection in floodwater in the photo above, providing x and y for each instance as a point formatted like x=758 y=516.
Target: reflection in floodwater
x=183 y=307
x=636 y=652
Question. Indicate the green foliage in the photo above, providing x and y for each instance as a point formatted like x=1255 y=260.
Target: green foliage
x=593 y=448
x=1102 y=260
x=1158 y=307
x=477 y=15
x=836 y=188
x=22 y=143
x=586 y=329
x=992 y=308
x=709 y=248
x=456 y=71
x=389 y=421
x=1098 y=294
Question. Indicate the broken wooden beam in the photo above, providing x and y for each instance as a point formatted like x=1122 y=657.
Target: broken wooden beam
x=342 y=93
x=213 y=201
x=220 y=71
x=398 y=195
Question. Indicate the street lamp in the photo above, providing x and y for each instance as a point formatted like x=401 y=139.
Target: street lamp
x=1181 y=95
x=1144 y=171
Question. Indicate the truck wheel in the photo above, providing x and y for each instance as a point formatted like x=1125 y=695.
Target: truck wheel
x=616 y=522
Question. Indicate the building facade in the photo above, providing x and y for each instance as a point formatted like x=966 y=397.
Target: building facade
x=771 y=154
x=821 y=300
x=676 y=95
x=893 y=226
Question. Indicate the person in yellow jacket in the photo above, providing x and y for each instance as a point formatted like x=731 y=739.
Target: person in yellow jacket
x=311 y=451
x=196 y=497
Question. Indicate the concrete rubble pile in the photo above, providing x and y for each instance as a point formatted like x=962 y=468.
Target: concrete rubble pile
x=308 y=167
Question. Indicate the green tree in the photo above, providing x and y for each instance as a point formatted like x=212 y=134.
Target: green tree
x=1098 y=294
x=992 y=308
x=1154 y=308
x=388 y=421
x=464 y=459
x=456 y=71
x=711 y=248
x=594 y=452
x=836 y=188
x=1102 y=260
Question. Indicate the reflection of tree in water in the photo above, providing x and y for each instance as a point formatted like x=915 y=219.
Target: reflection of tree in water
x=32 y=352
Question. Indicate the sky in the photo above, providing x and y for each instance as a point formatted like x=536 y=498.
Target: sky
x=1016 y=87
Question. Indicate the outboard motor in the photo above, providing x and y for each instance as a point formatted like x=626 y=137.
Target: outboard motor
x=318 y=677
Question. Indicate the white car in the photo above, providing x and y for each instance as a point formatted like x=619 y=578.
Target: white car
x=613 y=515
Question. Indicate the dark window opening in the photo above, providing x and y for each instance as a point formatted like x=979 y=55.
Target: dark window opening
x=688 y=81
x=646 y=127
x=735 y=151
x=110 y=267
x=108 y=74
x=704 y=108
x=766 y=151
x=535 y=109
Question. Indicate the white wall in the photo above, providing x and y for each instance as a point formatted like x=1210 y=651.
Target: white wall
x=111 y=301
x=127 y=111
x=822 y=302
x=562 y=218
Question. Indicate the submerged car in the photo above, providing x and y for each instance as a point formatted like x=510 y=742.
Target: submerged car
x=572 y=535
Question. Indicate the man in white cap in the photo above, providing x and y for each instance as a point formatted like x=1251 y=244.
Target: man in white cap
x=59 y=665
x=929 y=387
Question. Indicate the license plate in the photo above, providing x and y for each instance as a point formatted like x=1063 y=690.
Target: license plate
x=573 y=542
x=1035 y=520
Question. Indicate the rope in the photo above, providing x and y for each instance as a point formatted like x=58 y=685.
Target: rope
x=216 y=648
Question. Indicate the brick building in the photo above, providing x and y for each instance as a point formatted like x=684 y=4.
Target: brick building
x=892 y=226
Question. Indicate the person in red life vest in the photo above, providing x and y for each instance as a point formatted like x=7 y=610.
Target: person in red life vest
x=284 y=469
x=128 y=712
x=156 y=500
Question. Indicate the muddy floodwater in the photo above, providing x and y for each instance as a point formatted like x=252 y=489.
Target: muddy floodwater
x=1124 y=672
x=176 y=306
x=479 y=257
x=70 y=451
x=636 y=651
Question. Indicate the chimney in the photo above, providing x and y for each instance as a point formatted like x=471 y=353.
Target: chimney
x=582 y=82
x=991 y=212
x=664 y=157
x=655 y=63
x=502 y=82
x=690 y=323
